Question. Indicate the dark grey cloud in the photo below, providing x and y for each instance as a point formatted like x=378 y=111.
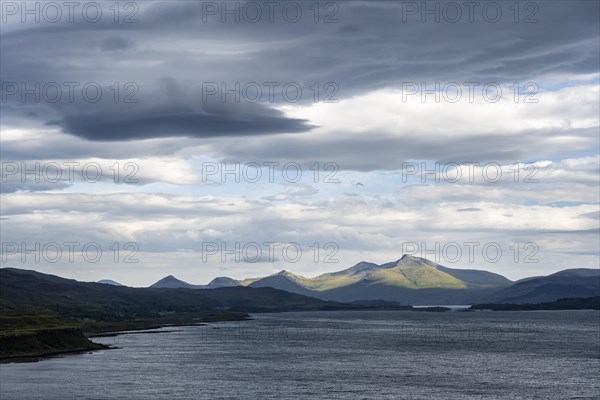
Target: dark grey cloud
x=115 y=43
x=178 y=120
x=369 y=48
x=170 y=111
x=469 y=209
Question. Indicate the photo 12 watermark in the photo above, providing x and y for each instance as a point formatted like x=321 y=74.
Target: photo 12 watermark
x=232 y=332
x=469 y=172
x=254 y=12
x=269 y=172
x=473 y=251
x=406 y=333
x=470 y=92
x=69 y=172
x=68 y=92
x=269 y=92
x=459 y=331
x=70 y=12
x=70 y=252
x=270 y=252
x=453 y=12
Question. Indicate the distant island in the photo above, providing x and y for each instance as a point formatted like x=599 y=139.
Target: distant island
x=589 y=303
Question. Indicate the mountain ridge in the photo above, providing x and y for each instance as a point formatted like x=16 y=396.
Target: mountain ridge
x=395 y=271
x=415 y=280
x=110 y=282
x=421 y=283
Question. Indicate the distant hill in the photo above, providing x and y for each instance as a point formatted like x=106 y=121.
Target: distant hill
x=223 y=281
x=416 y=281
x=577 y=272
x=75 y=301
x=284 y=281
x=44 y=314
x=170 y=282
x=409 y=280
x=578 y=282
x=110 y=282
x=476 y=278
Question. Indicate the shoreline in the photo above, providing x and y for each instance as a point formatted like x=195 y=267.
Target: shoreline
x=55 y=354
x=41 y=344
x=82 y=336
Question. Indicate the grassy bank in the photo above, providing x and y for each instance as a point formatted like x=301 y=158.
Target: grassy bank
x=32 y=346
x=29 y=335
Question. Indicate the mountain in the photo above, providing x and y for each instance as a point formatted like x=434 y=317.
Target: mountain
x=408 y=272
x=223 y=281
x=43 y=315
x=416 y=281
x=78 y=301
x=409 y=280
x=345 y=277
x=476 y=278
x=110 y=282
x=284 y=280
x=578 y=272
x=170 y=282
x=570 y=283
x=414 y=273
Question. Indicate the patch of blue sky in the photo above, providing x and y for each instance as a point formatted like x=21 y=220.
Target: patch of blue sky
x=554 y=86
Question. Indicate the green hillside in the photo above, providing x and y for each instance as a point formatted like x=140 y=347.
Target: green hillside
x=421 y=277
x=408 y=272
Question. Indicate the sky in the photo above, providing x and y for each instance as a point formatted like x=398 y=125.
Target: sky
x=200 y=139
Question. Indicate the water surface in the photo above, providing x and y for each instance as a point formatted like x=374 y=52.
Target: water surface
x=335 y=355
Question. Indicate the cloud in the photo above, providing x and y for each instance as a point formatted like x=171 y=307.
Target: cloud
x=352 y=132
x=169 y=120
x=593 y=215
x=375 y=51
x=115 y=44
x=167 y=227
x=369 y=134
x=170 y=112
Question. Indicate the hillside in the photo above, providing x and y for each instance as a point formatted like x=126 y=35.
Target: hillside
x=410 y=280
x=170 y=282
x=418 y=281
x=563 y=284
x=110 y=282
x=94 y=304
x=223 y=281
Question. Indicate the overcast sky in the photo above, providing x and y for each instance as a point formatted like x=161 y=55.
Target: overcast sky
x=363 y=129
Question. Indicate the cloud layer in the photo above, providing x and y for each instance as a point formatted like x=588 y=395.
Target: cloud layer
x=379 y=95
